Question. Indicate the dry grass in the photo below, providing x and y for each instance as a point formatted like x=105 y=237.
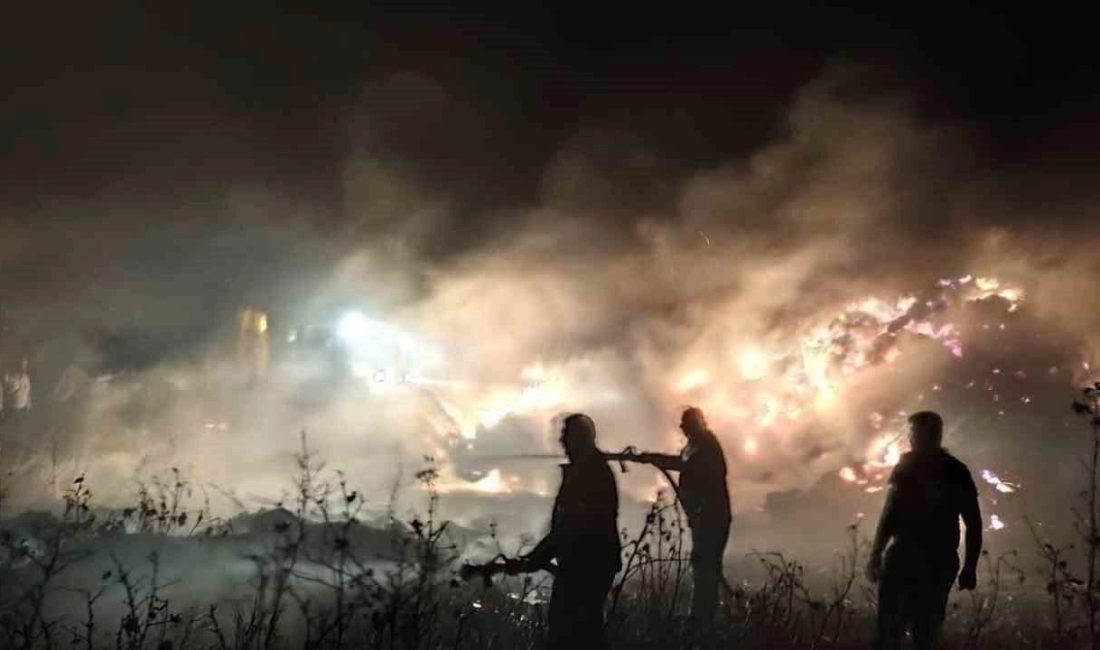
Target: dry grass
x=322 y=578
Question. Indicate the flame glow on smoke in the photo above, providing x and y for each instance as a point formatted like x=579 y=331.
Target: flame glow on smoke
x=808 y=294
x=758 y=396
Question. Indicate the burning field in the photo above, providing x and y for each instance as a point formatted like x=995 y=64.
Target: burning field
x=416 y=285
x=808 y=298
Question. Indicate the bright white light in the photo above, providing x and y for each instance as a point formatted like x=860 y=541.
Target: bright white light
x=754 y=365
x=376 y=351
x=353 y=326
x=491 y=483
x=893 y=454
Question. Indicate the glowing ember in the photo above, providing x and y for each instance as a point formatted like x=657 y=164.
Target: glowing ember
x=988 y=287
x=998 y=484
x=947 y=334
x=884 y=453
x=987 y=284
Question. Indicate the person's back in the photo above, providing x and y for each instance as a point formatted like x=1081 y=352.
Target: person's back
x=914 y=557
x=703 y=487
x=704 y=494
x=583 y=539
x=932 y=490
x=586 y=514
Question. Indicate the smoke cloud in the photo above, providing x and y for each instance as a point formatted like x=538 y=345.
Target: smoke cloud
x=860 y=264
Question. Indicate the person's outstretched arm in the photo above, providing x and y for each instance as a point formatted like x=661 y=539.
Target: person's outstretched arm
x=547 y=549
x=664 y=461
x=883 y=534
x=539 y=557
x=972 y=518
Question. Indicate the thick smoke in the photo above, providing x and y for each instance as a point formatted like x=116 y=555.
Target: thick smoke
x=794 y=293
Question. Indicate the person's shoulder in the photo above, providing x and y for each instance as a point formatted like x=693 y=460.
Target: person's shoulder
x=905 y=461
x=954 y=464
x=959 y=472
x=902 y=467
x=596 y=466
x=712 y=441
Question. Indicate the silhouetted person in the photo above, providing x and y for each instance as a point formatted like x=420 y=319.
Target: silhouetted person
x=20 y=383
x=929 y=490
x=17 y=407
x=705 y=498
x=584 y=540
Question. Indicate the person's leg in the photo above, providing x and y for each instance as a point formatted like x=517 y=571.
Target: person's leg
x=891 y=618
x=592 y=624
x=557 y=619
x=576 y=608
x=930 y=608
x=704 y=588
x=708 y=547
x=704 y=584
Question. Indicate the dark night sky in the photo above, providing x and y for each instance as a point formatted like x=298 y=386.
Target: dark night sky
x=272 y=76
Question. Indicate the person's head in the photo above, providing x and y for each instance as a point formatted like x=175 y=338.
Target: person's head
x=925 y=431
x=692 y=422
x=578 y=436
